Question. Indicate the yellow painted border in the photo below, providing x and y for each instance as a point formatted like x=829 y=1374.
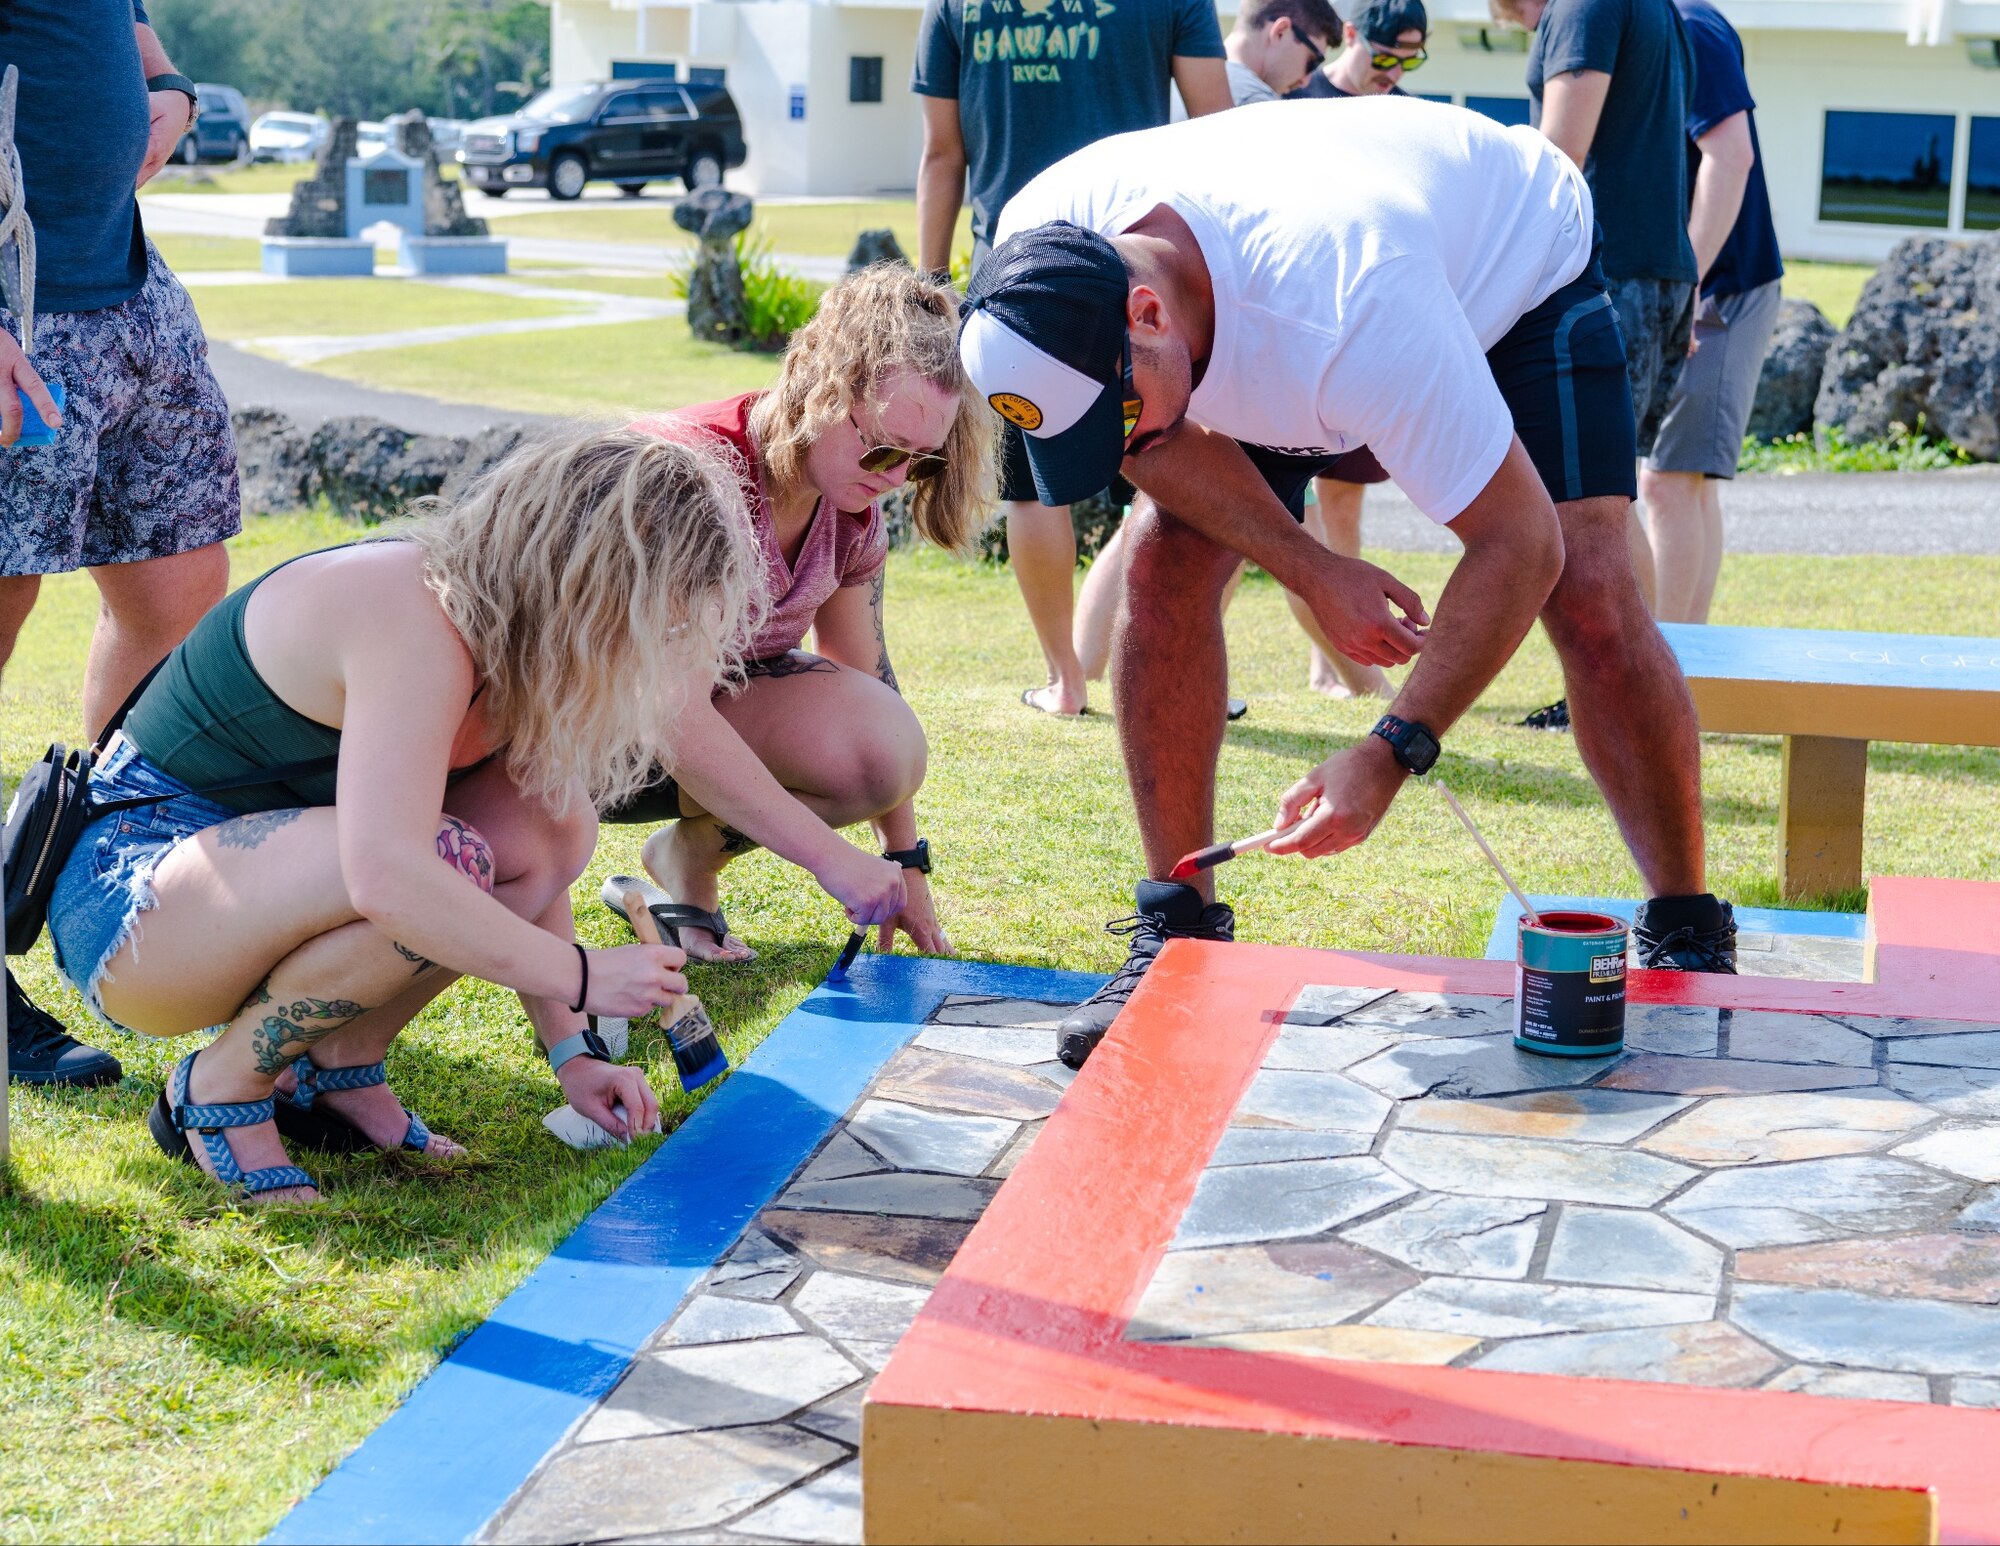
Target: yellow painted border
x=1921 y=715
x=932 y=1475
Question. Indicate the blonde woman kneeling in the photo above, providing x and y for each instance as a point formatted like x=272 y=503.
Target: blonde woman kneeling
x=871 y=395
x=481 y=680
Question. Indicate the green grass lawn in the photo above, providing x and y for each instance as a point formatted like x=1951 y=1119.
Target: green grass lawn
x=615 y=369
x=652 y=286
x=311 y=307
x=1833 y=287
x=822 y=230
x=172 y=1367
x=209 y=254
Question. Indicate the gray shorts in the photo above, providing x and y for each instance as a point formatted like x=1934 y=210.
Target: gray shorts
x=144 y=465
x=1703 y=428
x=1653 y=319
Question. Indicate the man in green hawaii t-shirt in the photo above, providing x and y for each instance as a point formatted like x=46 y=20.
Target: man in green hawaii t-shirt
x=1010 y=87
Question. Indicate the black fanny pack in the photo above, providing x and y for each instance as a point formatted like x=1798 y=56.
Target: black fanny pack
x=52 y=806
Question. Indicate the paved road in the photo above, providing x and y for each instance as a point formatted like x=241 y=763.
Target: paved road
x=249 y=380
x=1815 y=512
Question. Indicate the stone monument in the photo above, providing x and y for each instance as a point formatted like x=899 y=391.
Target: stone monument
x=716 y=216
x=401 y=184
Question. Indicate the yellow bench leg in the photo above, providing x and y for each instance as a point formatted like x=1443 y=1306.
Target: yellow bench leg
x=1819 y=815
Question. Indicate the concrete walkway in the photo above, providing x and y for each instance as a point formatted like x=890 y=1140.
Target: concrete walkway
x=251 y=381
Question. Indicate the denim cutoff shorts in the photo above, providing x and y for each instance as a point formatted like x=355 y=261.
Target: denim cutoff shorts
x=107 y=881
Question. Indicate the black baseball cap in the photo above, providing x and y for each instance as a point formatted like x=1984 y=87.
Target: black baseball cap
x=1385 y=21
x=1042 y=335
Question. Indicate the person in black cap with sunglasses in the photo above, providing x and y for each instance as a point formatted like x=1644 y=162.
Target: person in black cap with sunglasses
x=1381 y=42
x=1181 y=304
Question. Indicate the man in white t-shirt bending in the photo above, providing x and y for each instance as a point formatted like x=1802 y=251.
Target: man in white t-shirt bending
x=1192 y=302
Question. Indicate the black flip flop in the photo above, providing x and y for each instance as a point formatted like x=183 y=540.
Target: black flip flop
x=668 y=915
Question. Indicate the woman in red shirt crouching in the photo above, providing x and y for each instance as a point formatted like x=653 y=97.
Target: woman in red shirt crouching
x=871 y=396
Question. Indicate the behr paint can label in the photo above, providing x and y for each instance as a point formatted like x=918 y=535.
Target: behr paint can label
x=1569 y=986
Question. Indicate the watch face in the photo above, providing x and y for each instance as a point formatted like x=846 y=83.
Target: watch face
x=1423 y=747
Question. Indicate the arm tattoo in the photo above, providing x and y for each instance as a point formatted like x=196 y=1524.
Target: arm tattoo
x=250 y=831
x=273 y=1041
x=883 y=669
x=465 y=852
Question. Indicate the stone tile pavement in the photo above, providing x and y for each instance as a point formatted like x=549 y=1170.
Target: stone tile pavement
x=741 y=1420
x=1795 y=1201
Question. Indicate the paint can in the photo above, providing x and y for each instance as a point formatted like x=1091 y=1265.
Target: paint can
x=1569 y=985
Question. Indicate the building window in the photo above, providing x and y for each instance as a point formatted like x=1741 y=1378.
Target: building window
x=864 y=78
x=1887 y=168
x=1982 y=176
x=1500 y=109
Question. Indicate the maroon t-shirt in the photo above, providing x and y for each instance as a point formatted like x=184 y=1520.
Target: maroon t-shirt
x=841 y=547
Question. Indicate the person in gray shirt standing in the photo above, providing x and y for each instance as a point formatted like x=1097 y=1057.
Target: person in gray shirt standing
x=140 y=485
x=1005 y=95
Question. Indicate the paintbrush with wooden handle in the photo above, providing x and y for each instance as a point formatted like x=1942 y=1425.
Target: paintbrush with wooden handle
x=698 y=1055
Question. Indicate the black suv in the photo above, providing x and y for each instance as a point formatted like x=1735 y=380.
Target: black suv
x=626 y=131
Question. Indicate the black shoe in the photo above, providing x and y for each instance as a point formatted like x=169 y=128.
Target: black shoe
x=1554 y=717
x=1167 y=910
x=40 y=1051
x=1686 y=934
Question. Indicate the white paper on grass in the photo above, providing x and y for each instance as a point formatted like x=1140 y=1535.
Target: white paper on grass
x=579 y=1132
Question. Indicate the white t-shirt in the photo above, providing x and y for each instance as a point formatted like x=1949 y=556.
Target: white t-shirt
x=1365 y=255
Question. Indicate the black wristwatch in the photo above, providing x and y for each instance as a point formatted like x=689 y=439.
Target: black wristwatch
x=1415 y=746
x=185 y=87
x=918 y=858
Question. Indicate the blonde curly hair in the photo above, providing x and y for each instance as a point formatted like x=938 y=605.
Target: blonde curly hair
x=600 y=580
x=875 y=324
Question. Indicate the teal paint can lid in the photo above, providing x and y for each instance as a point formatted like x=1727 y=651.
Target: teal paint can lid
x=1569 y=985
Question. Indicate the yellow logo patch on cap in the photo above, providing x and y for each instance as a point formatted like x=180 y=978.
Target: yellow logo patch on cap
x=1016 y=410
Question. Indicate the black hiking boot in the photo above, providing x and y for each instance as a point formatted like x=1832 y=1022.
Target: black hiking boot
x=40 y=1051
x=1554 y=717
x=1686 y=934
x=1167 y=910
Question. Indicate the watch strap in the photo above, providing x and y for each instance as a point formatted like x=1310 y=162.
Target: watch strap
x=918 y=858
x=181 y=84
x=586 y=1043
x=1399 y=733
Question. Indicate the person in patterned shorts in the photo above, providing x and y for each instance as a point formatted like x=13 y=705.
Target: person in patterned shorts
x=140 y=485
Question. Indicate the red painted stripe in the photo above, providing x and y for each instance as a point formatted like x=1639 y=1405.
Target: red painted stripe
x=1031 y=1314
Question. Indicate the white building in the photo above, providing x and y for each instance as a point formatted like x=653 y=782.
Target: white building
x=1879 y=118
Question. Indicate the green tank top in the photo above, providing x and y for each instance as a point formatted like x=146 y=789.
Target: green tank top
x=208 y=716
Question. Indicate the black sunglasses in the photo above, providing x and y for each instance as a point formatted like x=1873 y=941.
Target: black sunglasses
x=1315 y=55
x=922 y=464
x=1134 y=403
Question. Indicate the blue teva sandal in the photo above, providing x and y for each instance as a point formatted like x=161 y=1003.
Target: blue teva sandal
x=328 y=1131
x=173 y=1118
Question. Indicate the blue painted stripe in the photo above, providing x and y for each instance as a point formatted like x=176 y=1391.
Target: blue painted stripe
x=1566 y=392
x=446 y=1460
x=1829 y=657
x=1751 y=920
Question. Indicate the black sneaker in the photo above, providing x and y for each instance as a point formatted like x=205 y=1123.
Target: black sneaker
x=40 y=1051
x=1167 y=910
x=1554 y=717
x=1686 y=934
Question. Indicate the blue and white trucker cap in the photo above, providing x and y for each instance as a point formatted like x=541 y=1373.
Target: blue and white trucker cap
x=1042 y=335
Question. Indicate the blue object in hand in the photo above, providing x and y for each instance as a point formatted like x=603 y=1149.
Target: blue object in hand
x=34 y=432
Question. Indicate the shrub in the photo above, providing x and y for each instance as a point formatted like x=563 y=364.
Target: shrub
x=776 y=304
x=1828 y=450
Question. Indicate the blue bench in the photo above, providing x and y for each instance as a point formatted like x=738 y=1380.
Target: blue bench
x=1829 y=694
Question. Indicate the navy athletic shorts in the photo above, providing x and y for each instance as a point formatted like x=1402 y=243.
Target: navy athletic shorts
x=1561 y=370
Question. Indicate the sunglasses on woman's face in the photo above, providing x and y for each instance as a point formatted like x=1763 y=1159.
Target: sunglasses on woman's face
x=1404 y=62
x=922 y=464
